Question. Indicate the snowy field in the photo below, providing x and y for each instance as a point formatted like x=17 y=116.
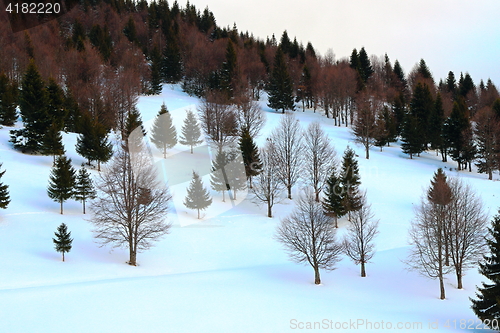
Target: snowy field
x=226 y=273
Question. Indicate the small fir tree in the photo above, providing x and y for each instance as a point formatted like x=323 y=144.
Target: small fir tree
x=4 y=192
x=198 y=196
x=163 y=133
x=63 y=240
x=52 y=142
x=191 y=133
x=61 y=181
x=84 y=188
x=333 y=200
x=487 y=305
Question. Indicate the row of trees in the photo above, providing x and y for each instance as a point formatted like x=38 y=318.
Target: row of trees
x=64 y=183
x=309 y=237
x=448 y=232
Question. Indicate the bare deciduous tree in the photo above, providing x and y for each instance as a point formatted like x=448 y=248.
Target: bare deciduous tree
x=308 y=236
x=319 y=157
x=466 y=228
x=428 y=255
x=132 y=204
x=219 y=121
x=267 y=185
x=449 y=224
x=358 y=243
x=250 y=114
x=288 y=140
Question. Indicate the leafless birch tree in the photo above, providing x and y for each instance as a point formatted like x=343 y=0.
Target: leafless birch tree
x=358 y=243
x=319 y=157
x=267 y=186
x=132 y=204
x=308 y=236
x=288 y=140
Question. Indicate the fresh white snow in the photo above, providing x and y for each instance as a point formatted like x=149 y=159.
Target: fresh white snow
x=225 y=273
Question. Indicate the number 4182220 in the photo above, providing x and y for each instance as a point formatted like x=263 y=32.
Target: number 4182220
x=472 y=324
x=33 y=8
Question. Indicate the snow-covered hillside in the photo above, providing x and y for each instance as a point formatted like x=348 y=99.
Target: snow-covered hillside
x=226 y=273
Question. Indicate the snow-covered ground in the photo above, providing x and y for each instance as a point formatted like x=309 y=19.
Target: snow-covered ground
x=226 y=273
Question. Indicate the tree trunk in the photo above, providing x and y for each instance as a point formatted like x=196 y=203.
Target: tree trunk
x=317 y=279
x=191 y=149
x=63 y=256
x=61 y=207
x=459 y=280
x=368 y=152
x=269 y=211
x=83 y=206
x=99 y=166
x=164 y=152
x=133 y=256
x=490 y=175
x=250 y=182
x=336 y=221
x=223 y=196
x=363 y=271
x=441 y=287
x=198 y=213
x=289 y=188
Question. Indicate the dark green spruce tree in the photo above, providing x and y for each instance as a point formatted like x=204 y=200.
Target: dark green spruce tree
x=84 y=188
x=171 y=64
x=436 y=123
x=155 y=70
x=280 y=87
x=411 y=137
x=198 y=196
x=163 y=133
x=421 y=107
x=8 y=101
x=33 y=104
x=487 y=305
x=52 y=143
x=350 y=181
x=250 y=154
x=93 y=143
x=334 y=197
x=62 y=181
x=56 y=104
x=4 y=192
x=455 y=126
x=63 y=240
x=191 y=133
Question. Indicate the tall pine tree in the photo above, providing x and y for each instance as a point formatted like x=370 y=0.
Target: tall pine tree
x=63 y=240
x=250 y=154
x=93 y=143
x=163 y=133
x=61 y=181
x=487 y=305
x=350 y=180
x=33 y=104
x=280 y=87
